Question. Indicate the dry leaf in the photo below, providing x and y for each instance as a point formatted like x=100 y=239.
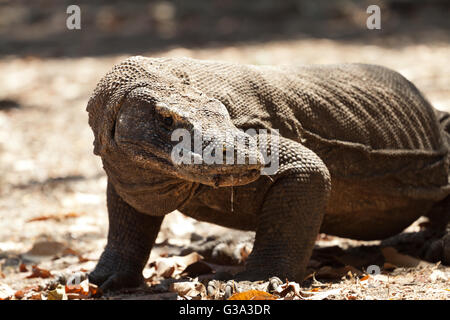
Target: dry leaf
x=174 y=266
x=35 y=288
x=321 y=295
x=83 y=290
x=35 y=296
x=6 y=292
x=57 y=294
x=165 y=267
x=244 y=252
x=70 y=251
x=83 y=259
x=56 y=217
x=76 y=296
x=94 y=291
x=189 y=289
x=19 y=294
x=72 y=215
x=294 y=288
x=40 y=218
x=366 y=277
x=196 y=269
x=288 y=287
x=37 y=272
x=327 y=272
x=188 y=259
x=27 y=292
x=438 y=275
x=23 y=268
x=252 y=295
x=73 y=288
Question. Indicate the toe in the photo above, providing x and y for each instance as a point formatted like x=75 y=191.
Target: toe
x=115 y=281
x=97 y=278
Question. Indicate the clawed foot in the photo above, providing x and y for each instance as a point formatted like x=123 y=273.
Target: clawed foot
x=437 y=247
x=438 y=250
x=111 y=281
x=232 y=249
x=114 y=272
x=225 y=290
x=430 y=244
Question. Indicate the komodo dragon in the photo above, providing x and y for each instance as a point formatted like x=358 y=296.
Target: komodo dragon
x=362 y=154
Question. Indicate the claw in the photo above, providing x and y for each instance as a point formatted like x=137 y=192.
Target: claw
x=274 y=283
x=212 y=288
x=230 y=289
x=115 y=281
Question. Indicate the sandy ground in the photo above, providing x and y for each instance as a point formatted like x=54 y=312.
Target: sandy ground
x=50 y=174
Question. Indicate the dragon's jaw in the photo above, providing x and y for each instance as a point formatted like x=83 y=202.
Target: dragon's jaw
x=222 y=179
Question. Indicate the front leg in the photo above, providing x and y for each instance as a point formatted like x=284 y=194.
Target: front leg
x=290 y=216
x=130 y=238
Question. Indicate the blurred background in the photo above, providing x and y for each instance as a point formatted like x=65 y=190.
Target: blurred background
x=52 y=188
x=38 y=28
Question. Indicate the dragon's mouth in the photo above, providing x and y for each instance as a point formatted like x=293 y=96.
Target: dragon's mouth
x=224 y=180
x=212 y=175
x=221 y=179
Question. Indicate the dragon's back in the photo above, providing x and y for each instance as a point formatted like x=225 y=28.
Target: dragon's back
x=364 y=121
x=352 y=103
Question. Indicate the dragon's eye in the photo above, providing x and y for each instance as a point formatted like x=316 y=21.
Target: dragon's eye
x=168 y=121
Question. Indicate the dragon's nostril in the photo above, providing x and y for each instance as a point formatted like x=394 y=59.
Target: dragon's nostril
x=168 y=121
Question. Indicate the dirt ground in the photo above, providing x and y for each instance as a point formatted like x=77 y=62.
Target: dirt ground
x=52 y=188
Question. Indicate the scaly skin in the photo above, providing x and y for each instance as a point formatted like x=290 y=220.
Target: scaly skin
x=362 y=154
x=128 y=249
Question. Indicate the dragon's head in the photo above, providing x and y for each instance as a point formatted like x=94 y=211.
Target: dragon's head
x=159 y=124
